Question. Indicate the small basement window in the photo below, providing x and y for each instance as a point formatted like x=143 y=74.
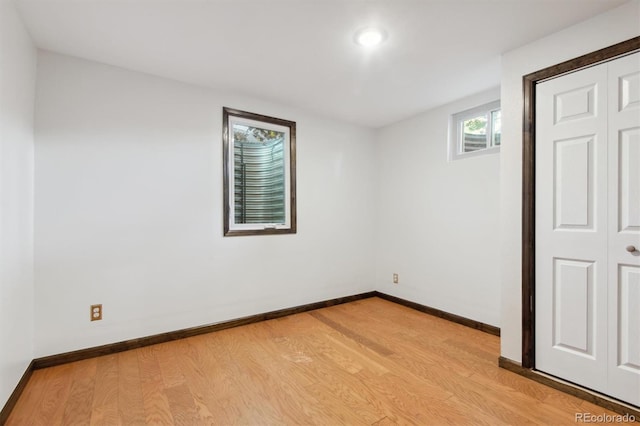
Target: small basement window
x=259 y=180
x=475 y=131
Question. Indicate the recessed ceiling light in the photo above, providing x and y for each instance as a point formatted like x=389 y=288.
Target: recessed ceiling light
x=369 y=37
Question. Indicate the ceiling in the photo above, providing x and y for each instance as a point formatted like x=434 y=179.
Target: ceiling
x=302 y=52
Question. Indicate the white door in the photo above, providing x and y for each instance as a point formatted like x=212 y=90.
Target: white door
x=587 y=216
x=624 y=229
x=571 y=227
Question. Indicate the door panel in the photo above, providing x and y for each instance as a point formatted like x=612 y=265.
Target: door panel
x=624 y=229
x=573 y=306
x=571 y=227
x=574 y=171
x=629 y=90
x=629 y=308
x=629 y=178
x=575 y=104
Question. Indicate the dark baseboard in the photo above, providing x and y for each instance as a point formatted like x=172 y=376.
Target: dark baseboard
x=50 y=361
x=15 y=395
x=58 y=359
x=566 y=387
x=442 y=314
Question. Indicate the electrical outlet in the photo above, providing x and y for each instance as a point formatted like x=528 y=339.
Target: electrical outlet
x=96 y=312
x=395 y=278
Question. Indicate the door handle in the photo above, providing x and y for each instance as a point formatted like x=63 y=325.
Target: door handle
x=631 y=249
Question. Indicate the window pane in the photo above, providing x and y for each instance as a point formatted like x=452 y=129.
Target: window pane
x=259 y=180
x=496 y=127
x=474 y=134
x=259 y=173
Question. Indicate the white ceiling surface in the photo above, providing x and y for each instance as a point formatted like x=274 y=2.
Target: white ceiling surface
x=302 y=53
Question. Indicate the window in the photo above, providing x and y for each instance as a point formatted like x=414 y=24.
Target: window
x=475 y=131
x=259 y=174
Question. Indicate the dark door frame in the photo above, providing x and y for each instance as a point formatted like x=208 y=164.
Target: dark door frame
x=529 y=82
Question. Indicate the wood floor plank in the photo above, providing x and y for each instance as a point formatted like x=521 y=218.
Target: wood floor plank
x=292 y=346
x=199 y=375
x=369 y=362
x=248 y=400
x=57 y=389
x=280 y=377
x=363 y=340
x=169 y=364
x=78 y=405
x=156 y=405
x=355 y=357
x=130 y=402
x=104 y=411
x=42 y=405
x=182 y=405
x=408 y=399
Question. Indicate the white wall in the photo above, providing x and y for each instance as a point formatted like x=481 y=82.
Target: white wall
x=128 y=210
x=17 y=87
x=128 y=204
x=437 y=220
x=604 y=30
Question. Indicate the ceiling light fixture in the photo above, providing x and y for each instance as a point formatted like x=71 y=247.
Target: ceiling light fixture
x=369 y=37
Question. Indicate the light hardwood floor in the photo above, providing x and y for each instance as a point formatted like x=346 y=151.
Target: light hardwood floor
x=366 y=362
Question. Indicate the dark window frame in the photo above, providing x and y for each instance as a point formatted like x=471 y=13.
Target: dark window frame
x=228 y=167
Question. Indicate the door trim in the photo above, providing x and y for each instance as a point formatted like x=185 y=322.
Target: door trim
x=529 y=82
